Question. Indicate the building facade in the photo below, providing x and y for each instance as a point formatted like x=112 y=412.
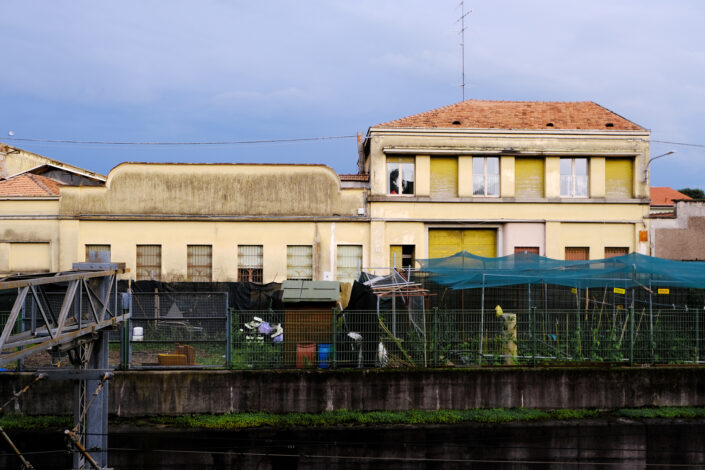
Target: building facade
x=564 y=180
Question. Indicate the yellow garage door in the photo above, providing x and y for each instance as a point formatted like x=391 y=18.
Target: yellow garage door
x=481 y=242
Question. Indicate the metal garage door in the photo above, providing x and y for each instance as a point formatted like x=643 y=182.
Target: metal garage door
x=442 y=242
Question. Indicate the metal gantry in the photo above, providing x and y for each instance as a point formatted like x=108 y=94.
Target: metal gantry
x=78 y=332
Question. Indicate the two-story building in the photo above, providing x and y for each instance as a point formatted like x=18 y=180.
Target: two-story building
x=563 y=180
x=490 y=177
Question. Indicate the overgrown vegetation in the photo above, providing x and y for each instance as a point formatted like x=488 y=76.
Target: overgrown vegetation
x=352 y=418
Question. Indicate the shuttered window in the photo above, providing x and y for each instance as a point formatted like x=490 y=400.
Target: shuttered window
x=444 y=177
x=299 y=262
x=529 y=177
x=619 y=178
x=400 y=175
x=485 y=176
x=250 y=263
x=577 y=253
x=149 y=262
x=481 y=242
x=574 y=177
x=199 y=263
x=98 y=253
x=349 y=262
x=612 y=251
x=526 y=249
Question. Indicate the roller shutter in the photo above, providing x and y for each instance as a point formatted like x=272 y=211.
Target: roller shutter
x=481 y=242
x=619 y=178
x=444 y=177
x=529 y=177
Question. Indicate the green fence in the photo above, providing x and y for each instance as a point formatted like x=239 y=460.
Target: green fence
x=201 y=328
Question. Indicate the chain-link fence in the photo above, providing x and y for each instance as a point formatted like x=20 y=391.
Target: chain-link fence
x=184 y=329
x=197 y=329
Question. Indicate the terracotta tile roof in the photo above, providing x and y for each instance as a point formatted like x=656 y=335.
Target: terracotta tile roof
x=664 y=196
x=481 y=114
x=355 y=177
x=29 y=185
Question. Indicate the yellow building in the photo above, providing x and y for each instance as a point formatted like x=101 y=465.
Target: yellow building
x=559 y=179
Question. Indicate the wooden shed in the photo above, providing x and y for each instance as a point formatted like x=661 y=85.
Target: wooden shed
x=308 y=317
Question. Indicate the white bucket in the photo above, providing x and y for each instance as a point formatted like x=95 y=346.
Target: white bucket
x=137 y=333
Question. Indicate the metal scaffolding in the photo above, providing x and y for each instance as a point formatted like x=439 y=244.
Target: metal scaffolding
x=81 y=333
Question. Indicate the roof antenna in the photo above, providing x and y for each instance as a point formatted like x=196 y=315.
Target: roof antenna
x=462 y=40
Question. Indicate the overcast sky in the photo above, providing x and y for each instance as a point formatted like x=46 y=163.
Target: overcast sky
x=212 y=70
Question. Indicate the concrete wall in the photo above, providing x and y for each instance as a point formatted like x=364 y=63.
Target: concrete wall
x=682 y=237
x=149 y=393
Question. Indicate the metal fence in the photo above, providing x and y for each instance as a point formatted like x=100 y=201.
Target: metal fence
x=183 y=330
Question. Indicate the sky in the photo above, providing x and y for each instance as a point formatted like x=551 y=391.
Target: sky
x=216 y=70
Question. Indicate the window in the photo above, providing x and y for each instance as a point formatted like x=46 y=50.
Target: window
x=349 y=262
x=526 y=249
x=149 y=262
x=401 y=256
x=574 y=177
x=485 y=176
x=199 y=263
x=444 y=177
x=612 y=251
x=98 y=253
x=250 y=263
x=400 y=175
x=619 y=178
x=299 y=262
x=528 y=177
x=577 y=253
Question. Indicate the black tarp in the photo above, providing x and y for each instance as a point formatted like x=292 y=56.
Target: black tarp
x=242 y=296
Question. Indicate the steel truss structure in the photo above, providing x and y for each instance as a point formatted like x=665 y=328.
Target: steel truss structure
x=81 y=333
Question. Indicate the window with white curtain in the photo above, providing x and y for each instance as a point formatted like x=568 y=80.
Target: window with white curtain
x=574 y=177
x=299 y=262
x=485 y=176
x=250 y=263
x=199 y=263
x=149 y=262
x=349 y=262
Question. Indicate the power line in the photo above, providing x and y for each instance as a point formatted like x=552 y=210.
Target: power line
x=223 y=142
x=679 y=143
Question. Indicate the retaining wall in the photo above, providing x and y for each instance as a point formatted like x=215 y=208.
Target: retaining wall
x=144 y=393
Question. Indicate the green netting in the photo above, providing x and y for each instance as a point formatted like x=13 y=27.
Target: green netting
x=466 y=271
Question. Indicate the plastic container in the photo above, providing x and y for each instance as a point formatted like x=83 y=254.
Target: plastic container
x=305 y=355
x=323 y=356
x=137 y=333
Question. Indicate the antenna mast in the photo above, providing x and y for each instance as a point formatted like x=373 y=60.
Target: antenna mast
x=462 y=40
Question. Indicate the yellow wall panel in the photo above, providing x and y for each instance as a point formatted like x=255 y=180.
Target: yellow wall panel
x=481 y=242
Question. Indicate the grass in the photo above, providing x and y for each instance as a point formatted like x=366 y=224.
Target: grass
x=358 y=418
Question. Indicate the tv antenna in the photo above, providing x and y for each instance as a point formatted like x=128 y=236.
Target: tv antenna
x=463 y=14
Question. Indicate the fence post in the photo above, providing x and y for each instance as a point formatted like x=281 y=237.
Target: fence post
x=435 y=336
x=228 y=335
x=532 y=334
x=697 y=335
x=482 y=322
x=631 y=331
x=334 y=348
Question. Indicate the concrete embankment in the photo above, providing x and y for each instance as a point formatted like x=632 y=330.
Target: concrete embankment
x=171 y=393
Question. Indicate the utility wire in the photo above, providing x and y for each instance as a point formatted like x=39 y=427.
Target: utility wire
x=222 y=142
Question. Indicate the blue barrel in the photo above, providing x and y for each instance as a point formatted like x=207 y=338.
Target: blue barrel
x=323 y=355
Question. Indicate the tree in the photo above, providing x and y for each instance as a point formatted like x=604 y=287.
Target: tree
x=695 y=193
